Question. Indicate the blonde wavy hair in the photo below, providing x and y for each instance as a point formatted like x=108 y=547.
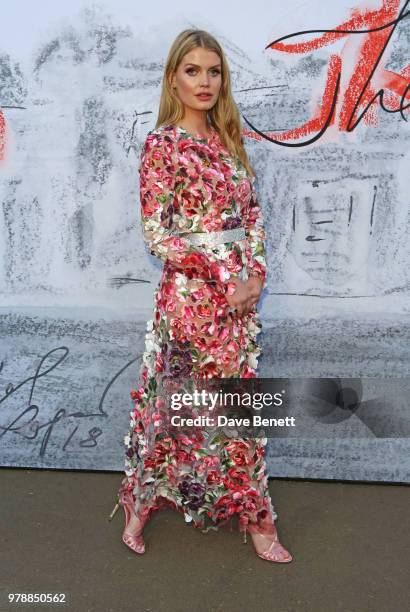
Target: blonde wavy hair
x=224 y=115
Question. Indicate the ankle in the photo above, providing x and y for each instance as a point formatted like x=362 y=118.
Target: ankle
x=135 y=522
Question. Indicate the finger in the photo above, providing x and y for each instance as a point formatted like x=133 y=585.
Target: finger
x=250 y=307
x=254 y=294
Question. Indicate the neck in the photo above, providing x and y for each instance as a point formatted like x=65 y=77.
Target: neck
x=196 y=123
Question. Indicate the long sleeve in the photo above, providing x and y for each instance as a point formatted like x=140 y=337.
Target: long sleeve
x=255 y=231
x=159 y=203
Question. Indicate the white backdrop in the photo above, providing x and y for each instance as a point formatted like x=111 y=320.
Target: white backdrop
x=79 y=89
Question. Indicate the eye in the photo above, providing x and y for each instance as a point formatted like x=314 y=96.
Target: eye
x=215 y=71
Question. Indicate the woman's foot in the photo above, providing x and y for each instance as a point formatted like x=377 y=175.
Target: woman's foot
x=270 y=549
x=267 y=544
x=132 y=535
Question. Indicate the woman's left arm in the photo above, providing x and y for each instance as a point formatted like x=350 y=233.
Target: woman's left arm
x=256 y=234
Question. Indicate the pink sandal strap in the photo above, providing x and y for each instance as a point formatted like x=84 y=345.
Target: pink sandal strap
x=134 y=541
x=276 y=547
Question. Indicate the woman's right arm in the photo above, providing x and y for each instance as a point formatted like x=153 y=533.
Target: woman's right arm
x=159 y=202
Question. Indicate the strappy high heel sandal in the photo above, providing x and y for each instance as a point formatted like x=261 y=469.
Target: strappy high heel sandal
x=134 y=541
x=275 y=552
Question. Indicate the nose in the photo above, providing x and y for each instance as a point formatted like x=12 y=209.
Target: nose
x=205 y=80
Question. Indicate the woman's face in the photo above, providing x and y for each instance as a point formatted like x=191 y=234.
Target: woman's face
x=198 y=73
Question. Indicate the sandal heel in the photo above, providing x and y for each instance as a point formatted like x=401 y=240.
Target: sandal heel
x=111 y=516
x=244 y=537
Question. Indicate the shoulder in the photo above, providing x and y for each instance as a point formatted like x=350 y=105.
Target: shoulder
x=159 y=150
x=163 y=133
x=160 y=139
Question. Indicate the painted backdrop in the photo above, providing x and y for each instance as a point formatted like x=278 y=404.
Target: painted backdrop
x=324 y=94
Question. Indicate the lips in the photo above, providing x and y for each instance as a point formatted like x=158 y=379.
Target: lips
x=204 y=96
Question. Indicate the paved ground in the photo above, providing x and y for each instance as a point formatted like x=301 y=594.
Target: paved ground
x=350 y=544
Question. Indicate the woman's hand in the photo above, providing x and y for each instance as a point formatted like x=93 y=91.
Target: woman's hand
x=246 y=296
x=255 y=289
x=239 y=300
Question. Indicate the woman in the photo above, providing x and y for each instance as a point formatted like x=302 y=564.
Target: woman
x=200 y=216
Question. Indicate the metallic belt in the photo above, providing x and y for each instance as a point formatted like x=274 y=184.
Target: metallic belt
x=212 y=238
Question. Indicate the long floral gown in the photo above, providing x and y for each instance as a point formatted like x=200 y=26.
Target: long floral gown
x=189 y=183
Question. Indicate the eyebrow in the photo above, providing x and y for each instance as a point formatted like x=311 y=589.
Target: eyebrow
x=196 y=65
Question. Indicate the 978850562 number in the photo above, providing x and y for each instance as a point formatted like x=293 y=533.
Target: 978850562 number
x=58 y=598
